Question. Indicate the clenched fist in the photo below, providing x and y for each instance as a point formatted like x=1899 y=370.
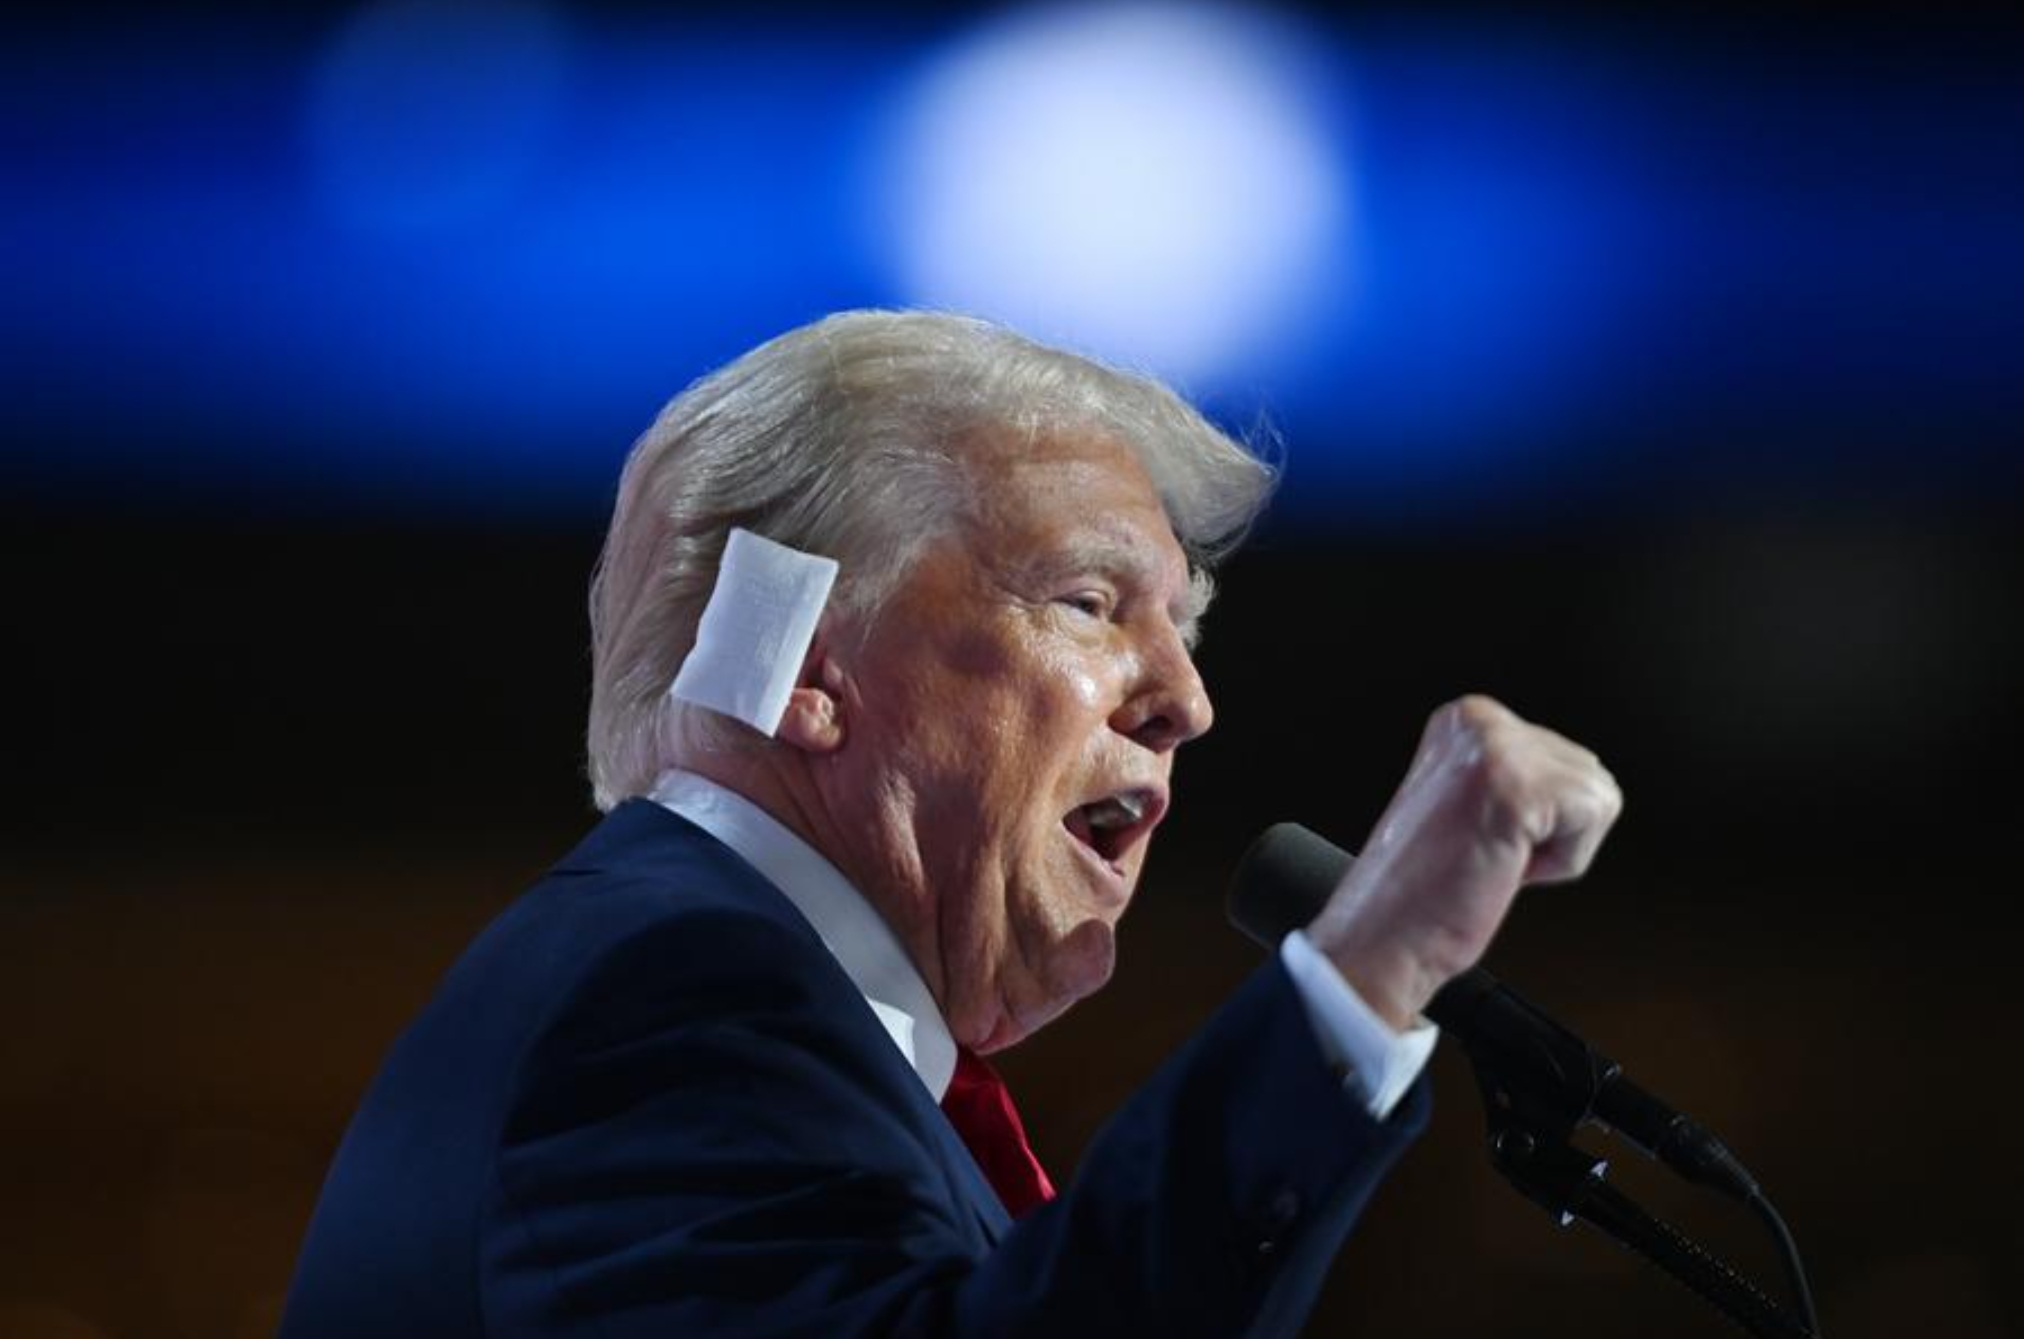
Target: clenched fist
x=1492 y=803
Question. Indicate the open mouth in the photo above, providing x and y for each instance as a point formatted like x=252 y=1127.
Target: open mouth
x=1112 y=825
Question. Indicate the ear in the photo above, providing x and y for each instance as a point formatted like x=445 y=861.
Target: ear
x=814 y=719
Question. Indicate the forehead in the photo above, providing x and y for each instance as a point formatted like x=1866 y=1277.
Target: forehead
x=1069 y=492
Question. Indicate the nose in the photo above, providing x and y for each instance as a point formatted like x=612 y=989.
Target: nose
x=1171 y=705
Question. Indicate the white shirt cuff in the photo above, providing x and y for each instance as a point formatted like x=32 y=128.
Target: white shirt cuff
x=1380 y=1064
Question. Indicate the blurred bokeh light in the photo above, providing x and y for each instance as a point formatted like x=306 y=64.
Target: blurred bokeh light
x=1159 y=184
x=1462 y=265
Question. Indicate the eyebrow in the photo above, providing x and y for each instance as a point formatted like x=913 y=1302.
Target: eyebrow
x=1127 y=562
x=1201 y=590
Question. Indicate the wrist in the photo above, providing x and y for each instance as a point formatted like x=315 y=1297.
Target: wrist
x=1394 y=984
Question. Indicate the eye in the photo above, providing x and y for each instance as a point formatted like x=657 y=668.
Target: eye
x=1092 y=603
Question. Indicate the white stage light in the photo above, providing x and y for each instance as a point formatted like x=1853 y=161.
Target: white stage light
x=1150 y=182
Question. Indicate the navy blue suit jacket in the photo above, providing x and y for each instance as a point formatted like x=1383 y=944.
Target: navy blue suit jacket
x=647 y=1101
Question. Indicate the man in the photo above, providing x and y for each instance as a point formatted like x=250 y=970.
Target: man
x=694 y=1082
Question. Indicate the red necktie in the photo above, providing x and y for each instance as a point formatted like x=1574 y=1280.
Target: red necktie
x=980 y=1108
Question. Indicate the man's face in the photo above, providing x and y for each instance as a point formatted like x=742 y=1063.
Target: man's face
x=1012 y=723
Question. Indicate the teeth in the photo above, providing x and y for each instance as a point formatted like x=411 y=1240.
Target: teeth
x=1117 y=811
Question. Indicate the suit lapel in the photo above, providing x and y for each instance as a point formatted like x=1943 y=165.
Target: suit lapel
x=989 y=1211
x=640 y=838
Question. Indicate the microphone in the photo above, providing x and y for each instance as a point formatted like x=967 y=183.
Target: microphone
x=1532 y=1066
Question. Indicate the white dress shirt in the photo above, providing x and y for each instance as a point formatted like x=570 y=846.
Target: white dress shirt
x=1378 y=1063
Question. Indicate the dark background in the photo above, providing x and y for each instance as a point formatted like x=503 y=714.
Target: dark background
x=274 y=758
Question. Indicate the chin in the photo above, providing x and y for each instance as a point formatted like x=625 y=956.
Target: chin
x=1083 y=961
x=1077 y=966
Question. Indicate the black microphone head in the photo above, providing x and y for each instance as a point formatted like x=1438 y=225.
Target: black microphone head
x=1283 y=881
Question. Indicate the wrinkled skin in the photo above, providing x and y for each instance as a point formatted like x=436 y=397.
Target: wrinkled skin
x=1033 y=660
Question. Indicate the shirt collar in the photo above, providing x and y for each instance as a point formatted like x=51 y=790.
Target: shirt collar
x=852 y=929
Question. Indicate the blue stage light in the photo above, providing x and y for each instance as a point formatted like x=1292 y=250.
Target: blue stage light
x=427 y=114
x=444 y=256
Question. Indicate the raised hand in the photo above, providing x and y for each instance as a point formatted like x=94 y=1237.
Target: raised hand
x=1491 y=803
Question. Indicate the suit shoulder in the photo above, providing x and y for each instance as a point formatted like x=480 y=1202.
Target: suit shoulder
x=644 y=885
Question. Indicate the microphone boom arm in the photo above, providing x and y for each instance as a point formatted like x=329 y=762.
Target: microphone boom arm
x=1540 y=1083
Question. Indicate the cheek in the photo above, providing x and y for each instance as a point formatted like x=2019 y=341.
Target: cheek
x=1085 y=688
x=1081 y=683
x=1021 y=722
x=1066 y=721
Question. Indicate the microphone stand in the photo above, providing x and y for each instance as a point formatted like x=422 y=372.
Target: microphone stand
x=1533 y=1151
x=1541 y=1083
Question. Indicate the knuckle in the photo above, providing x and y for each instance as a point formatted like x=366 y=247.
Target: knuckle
x=1477 y=712
x=1601 y=787
x=1471 y=729
x=1503 y=774
x=1508 y=806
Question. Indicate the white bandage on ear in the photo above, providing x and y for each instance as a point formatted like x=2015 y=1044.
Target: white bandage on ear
x=755 y=630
